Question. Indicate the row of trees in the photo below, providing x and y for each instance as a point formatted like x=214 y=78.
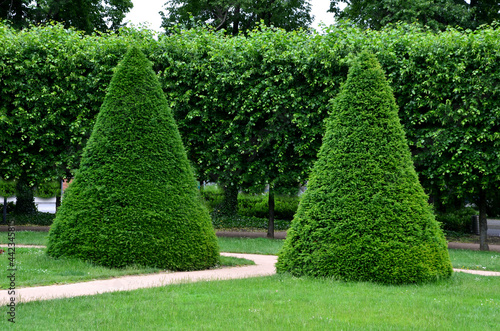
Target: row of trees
x=238 y=16
x=242 y=15
x=251 y=108
x=437 y=14
x=235 y=16
x=85 y=15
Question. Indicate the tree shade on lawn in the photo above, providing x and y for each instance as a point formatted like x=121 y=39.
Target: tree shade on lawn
x=365 y=216
x=134 y=199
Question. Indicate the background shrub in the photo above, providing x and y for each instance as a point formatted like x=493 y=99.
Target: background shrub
x=48 y=190
x=458 y=220
x=243 y=222
x=250 y=205
x=37 y=218
x=212 y=196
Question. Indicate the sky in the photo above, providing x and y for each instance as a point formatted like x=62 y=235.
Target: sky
x=147 y=11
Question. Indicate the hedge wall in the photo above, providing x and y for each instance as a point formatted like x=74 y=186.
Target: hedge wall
x=252 y=108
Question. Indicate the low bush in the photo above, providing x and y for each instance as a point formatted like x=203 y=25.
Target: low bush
x=10 y=207
x=258 y=206
x=212 y=196
x=247 y=222
x=38 y=218
x=458 y=220
x=252 y=205
x=48 y=190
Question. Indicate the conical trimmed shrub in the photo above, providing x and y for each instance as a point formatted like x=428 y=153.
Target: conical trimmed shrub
x=134 y=199
x=364 y=215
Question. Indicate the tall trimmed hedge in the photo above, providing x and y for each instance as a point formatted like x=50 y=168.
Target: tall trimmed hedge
x=364 y=215
x=134 y=199
x=254 y=106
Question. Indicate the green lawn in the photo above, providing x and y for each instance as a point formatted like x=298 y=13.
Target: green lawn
x=250 y=245
x=26 y=238
x=281 y=302
x=475 y=260
x=465 y=302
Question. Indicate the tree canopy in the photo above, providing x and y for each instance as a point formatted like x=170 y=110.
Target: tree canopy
x=437 y=14
x=85 y=15
x=238 y=15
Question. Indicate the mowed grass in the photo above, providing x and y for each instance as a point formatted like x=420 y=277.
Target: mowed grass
x=26 y=238
x=250 y=245
x=281 y=302
x=475 y=260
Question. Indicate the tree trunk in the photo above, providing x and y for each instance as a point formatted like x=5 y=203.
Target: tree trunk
x=483 y=222
x=270 y=224
x=25 y=203
x=5 y=210
x=236 y=21
x=58 y=198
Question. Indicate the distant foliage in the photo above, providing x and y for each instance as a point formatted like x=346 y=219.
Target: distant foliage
x=364 y=215
x=134 y=199
x=254 y=205
x=7 y=188
x=457 y=221
x=48 y=190
x=37 y=218
x=257 y=206
x=85 y=15
x=245 y=222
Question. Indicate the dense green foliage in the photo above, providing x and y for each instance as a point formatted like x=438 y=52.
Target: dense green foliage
x=7 y=188
x=85 y=15
x=251 y=109
x=457 y=221
x=257 y=206
x=53 y=82
x=48 y=190
x=253 y=205
x=364 y=215
x=437 y=14
x=238 y=16
x=36 y=218
x=134 y=199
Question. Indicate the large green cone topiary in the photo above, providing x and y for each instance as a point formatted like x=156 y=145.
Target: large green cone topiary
x=364 y=215
x=134 y=199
